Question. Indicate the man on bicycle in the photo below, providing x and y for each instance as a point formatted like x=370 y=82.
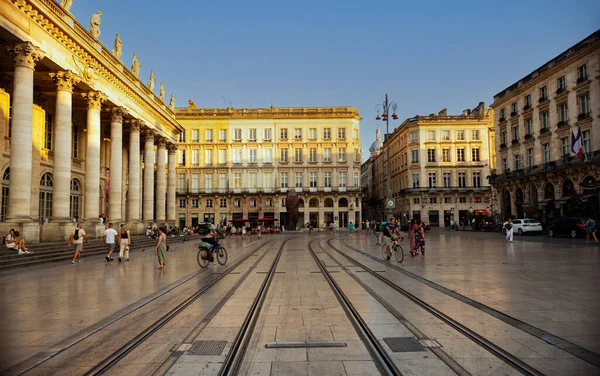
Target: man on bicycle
x=212 y=238
x=391 y=233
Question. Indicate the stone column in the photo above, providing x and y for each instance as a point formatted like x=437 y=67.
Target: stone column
x=148 y=196
x=26 y=55
x=161 y=182
x=91 y=209
x=63 y=124
x=133 y=191
x=172 y=185
x=116 y=159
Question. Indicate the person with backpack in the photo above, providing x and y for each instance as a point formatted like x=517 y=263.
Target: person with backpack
x=590 y=229
x=76 y=239
x=509 y=230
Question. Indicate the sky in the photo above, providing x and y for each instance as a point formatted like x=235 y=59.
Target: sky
x=427 y=55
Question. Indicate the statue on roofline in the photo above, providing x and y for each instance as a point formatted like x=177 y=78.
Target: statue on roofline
x=151 y=82
x=66 y=4
x=118 y=49
x=172 y=102
x=135 y=66
x=95 y=24
x=162 y=92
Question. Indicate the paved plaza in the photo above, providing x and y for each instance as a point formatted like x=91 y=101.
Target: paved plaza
x=535 y=299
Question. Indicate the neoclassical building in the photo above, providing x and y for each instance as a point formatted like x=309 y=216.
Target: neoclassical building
x=535 y=119
x=81 y=134
x=439 y=167
x=235 y=164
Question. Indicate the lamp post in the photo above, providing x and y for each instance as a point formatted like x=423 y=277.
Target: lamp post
x=386 y=106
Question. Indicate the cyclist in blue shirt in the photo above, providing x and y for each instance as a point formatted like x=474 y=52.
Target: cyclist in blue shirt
x=391 y=232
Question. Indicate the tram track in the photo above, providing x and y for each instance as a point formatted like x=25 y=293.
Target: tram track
x=483 y=342
x=114 y=357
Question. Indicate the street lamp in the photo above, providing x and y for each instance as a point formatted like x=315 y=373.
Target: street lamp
x=386 y=106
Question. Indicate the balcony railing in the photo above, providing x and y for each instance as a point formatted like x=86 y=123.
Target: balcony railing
x=562 y=124
x=515 y=141
x=560 y=90
x=446 y=189
x=503 y=146
x=542 y=99
x=585 y=116
x=502 y=119
x=544 y=131
x=527 y=107
x=514 y=113
x=528 y=137
x=581 y=79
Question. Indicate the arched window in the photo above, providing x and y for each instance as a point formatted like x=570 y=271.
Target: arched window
x=5 y=180
x=328 y=203
x=74 y=199
x=45 y=197
x=300 y=203
x=343 y=202
x=313 y=203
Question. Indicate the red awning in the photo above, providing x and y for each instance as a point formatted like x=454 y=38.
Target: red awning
x=238 y=220
x=266 y=219
x=482 y=212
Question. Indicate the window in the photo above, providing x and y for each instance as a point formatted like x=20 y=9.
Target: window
x=268 y=180
x=447 y=180
x=462 y=200
x=341 y=133
x=414 y=137
x=222 y=181
x=298 y=133
x=195 y=135
x=252 y=202
x=475 y=155
x=416 y=200
x=355 y=133
x=208 y=179
x=312 y=179
x=252 y=155
x=432 y=180
x=515 y=133
x=543 y=93
x=562 y=112
x=268 y=156
x=445 y=155
x=298 y=155
x=284 y=180
x=528 y=101
x=312 y=133
x=431 y=135
x=545 y=118
x=237 y=135
x=586 y=143
x=195 y=157
x=195 y=203
x=356 y=180
x=529 y=126
x=268 y=134
x=283 y=202
x=283 y=157
x=182 y=203
x=415 y=156
x=530 y=157
x=356 y=155
x=503 y=137
x=415 y=180
x=75 y=143
x=327 y=155
x=73 y=199
x=433 y=200
x=209 y=157
x=342 y=154
x=223 y=203
x=430 y=155
x=502 y=114
x=460 y=135
x=181 y=137
x=223 y=156
x=475 y=135
x=564 y=146
x=517 y=162
x=327 y=177
x=180 y=181
x=584 y=105
x=561 y=84
x=313 y=155
x=252 y=180
x=48 y=131
x=269 y=203
x=327 y=133
x=237 y=180
x=298 y=180
x=462 y=179
x=252 y=134
x=208 y=135
x=283 y=134
x=477 y=179
x=237 y=203
x=209 y=203
x=505 y=164
x=237 y=155
x=342 y=179
x=460 y=154
x=447 y=200
x=581 y=73
x=477 y=200
x=222 y=135
x=195 y=183
x=446 y=135
x=514 y=109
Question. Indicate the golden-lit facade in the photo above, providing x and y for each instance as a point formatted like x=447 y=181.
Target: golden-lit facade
x=237 y=164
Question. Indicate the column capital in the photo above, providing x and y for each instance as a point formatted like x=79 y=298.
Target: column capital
x=26 y=54
x=94 y=99
x=134 y=125
x=148 y=133
x=161 y=142
x=172 y=148
x=116 y=114
x=65 y=80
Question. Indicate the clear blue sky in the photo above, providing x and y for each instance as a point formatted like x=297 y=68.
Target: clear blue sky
x=426 y=55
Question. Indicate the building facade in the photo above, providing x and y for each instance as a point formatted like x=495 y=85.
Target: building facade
x=235 y=164
x=439 y=167
x=72 y=119
x=535 y=120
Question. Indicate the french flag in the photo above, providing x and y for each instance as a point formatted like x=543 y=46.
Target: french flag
x=577 y=144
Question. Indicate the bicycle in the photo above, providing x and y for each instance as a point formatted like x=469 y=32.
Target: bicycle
x=396 y=249
x=205 y=254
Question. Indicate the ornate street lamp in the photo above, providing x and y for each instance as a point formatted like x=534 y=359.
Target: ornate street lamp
x=386 y=108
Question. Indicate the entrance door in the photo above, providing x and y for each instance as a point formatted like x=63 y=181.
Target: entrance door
x=209 y=218
x=181 y=220
x=343 y=222
x=194 y=220
x=434 y=218
x=314 y=219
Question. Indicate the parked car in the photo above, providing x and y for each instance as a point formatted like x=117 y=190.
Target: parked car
x=521 y=226
x=572 y=227
x=405 y=226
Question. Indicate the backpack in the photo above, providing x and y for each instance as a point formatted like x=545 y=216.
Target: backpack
x=382 y=226
x=76 y=235
x=203 y=228
x=4 y=238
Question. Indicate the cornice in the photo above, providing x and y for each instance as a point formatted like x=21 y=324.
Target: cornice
x=188 y=113
x=61 y=25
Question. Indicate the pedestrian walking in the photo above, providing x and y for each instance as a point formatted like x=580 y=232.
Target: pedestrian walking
x=452 y=224
x=509 y=230
x=379 y=232
x=125 y=243
x=590 y=229
x=161 y=248
x=419 y=242
x=109 y=239
x=76 y=239
x=351 y=227
x=411 y=233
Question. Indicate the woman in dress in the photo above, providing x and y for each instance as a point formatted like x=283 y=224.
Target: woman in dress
x=411 y=233
x=161 y=248
x=419 y=232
